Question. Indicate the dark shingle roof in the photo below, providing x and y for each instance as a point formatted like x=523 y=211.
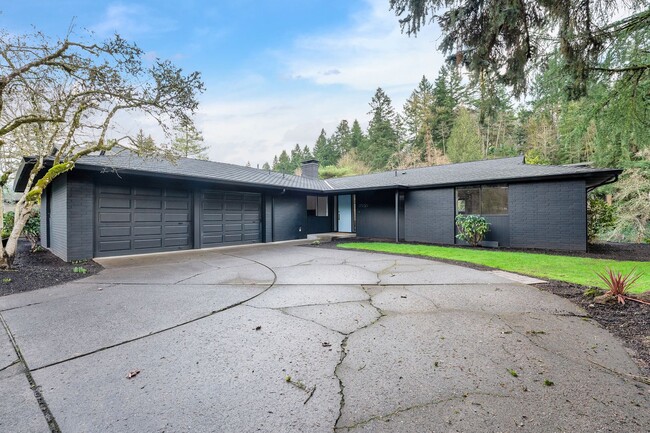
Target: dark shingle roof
x=204 y=170
x=487 y=171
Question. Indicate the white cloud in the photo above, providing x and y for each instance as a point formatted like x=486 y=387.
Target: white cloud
x=130 y=20
x=324 y=78
x=372 y=53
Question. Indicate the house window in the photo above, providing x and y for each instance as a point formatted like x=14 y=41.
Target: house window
x=483 y=200
x=317 y=205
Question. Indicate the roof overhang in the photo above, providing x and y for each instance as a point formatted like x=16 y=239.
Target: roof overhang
x=593 y=179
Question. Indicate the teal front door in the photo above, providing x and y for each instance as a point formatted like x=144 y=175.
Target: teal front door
x=345 y=213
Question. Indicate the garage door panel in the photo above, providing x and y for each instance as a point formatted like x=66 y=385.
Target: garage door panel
x=109 y=232
x=114 y=217
x=177 y=204
x=179 y=193
x=177 y=217
x=232 y=227
x=141 y=244
x=238 y=237
x=251 y=236
x=147 y=191
x=177 y=230
x=115 y=245
x=142 y=219
x=147 y=231
x=176 y=242
x=213 y=239
x=212 y=228
x=212 y=205
x=114 y=189
x=251 y=227
x=252 y=217
x=208 y=217
x=147 y=217
x=147 y=204
x=233 y=217
x=114 y=203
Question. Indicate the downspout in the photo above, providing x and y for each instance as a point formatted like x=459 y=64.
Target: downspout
x=397 y=216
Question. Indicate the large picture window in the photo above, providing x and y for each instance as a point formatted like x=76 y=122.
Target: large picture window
x=317 y=205
x=482 y=200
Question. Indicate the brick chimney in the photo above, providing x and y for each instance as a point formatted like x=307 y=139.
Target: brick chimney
x=310 y=169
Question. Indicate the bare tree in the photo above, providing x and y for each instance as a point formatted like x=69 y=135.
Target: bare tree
x=59 y=101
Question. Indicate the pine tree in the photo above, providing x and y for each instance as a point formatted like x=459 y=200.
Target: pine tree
x=324 y=150
x=356 y=135
x=266 y=166
x=306 y=153
x=188 y=143
x=383 y=138
x=418 y=110
x=341 y=139
x=144 y=144
x=296 y=157
x=283 y=164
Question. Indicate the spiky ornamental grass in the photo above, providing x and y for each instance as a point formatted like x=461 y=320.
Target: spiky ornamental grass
x=620 y=283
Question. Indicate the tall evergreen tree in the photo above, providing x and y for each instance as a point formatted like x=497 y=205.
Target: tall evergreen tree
x=383 y=137
x=283 y=164
x=418 y=114
x=341 y=139
x=306 y=153
x=356 y=135
x=188 y=143
x=266 y=166
x=144 y=144
x=324 y=150
x=296 y=157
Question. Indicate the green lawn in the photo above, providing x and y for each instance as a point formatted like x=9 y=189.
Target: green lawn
x=578 y=270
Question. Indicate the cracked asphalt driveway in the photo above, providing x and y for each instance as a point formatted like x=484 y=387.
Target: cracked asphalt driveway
x=281 y=338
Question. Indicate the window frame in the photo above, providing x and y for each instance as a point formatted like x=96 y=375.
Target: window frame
x=480 y=200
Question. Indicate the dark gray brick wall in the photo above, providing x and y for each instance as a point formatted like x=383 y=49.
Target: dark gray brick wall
x=81 y=212
x=548 y=215
x=59 y=217
x=499 y=229
x=429 y=216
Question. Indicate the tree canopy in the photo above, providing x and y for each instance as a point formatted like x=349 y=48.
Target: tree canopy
x=61 y=100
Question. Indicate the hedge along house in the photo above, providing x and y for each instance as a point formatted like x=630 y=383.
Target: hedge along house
x=122 y=204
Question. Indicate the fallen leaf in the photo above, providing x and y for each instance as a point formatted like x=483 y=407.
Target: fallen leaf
x=257 y=328
x=132 y=374
x=326 y=344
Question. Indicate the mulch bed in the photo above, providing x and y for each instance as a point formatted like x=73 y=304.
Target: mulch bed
x=629 y=322
x=40 y=269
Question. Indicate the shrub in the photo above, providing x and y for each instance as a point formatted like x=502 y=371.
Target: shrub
x=32 y=229
x=600 y=217
x=619 y=283
x=472 y=228
x=7 y=224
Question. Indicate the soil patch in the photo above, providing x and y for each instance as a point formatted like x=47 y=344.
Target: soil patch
x=40 y=269
x=630 y=322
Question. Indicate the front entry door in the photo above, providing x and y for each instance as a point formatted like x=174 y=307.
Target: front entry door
x=345 y=213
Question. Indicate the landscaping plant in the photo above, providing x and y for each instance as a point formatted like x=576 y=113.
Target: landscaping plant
x=472 y=228
x=619 y=284
x=600 y=217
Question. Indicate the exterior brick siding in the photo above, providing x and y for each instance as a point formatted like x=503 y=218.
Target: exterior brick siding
x=549 y=215
x=429 y=216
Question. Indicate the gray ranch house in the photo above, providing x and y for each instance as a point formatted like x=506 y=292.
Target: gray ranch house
x=117 y=204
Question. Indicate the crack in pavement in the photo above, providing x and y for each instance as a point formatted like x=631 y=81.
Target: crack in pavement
x=624 y=376
x=36 y=389
x=419 y=406
x=160 y=331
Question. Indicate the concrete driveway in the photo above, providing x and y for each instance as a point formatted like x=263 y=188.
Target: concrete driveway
x=295 y=339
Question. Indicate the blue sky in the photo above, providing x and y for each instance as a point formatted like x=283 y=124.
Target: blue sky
x=276 y=71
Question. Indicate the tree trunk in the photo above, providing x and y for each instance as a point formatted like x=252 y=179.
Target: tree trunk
x=21 y=214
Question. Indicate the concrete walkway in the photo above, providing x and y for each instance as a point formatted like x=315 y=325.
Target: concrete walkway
x=295 y=339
